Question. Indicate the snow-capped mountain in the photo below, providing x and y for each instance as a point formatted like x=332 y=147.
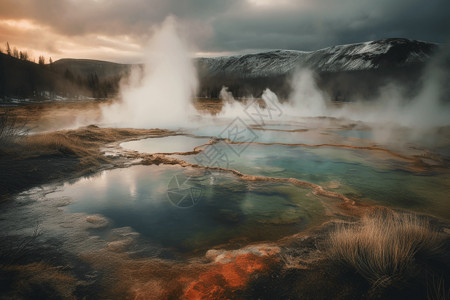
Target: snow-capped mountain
x=344 y=72
x=353 y=57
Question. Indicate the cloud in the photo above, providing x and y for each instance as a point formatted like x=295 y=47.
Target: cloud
x=309 y=25
x=40 y=39
x=232 y=25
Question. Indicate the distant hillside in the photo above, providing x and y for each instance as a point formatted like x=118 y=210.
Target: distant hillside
x=344 y=71
x=342 y=58
x=66 y=78
x=84 y=67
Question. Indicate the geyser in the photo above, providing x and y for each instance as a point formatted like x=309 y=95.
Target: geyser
x=306 y=99
x=160 y=96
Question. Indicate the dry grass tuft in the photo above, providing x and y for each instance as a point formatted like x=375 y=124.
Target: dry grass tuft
x=13 y=250
x=383 y=247
x=54 y=142
x=11 y=127
x=437 y=288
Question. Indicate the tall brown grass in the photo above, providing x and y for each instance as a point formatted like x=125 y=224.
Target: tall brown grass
x=85 y=149
x=11 y=127
x=54 y=142
x=384 y=245
x=437 y=288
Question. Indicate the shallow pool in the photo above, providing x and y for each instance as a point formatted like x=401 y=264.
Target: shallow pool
x=168 y=144
x=365 y=174
x=187 y=209
x=360 y=134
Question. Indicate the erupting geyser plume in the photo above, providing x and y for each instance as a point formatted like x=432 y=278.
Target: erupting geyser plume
x=161 y=96
x=306 y=99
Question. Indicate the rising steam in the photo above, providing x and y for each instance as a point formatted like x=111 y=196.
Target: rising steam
x=161 y=96
x=429 y=108
x=306 y=99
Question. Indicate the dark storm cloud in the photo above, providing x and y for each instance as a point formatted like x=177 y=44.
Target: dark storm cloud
x=75 y=17
x=235 y=25
x=323 y=23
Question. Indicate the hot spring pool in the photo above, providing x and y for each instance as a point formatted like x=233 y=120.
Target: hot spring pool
x=225 y=209
x=168 y=144
x=364 y=174
x=192 y=209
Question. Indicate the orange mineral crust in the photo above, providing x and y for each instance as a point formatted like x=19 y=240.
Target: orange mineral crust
x=231 y=271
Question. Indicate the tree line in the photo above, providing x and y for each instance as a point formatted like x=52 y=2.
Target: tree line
x=23 y=55
x=21 y=77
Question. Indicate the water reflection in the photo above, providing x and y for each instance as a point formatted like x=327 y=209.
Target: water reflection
x=228 y=209
x=360 y=134
x=364 y=174
x=169 y=144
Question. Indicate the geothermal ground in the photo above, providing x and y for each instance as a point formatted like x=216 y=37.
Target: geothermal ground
x=252 y=207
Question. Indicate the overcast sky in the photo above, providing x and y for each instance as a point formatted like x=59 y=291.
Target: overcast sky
x=118 y=30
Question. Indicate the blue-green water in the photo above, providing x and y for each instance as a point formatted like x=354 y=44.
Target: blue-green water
x=360 y=173
x=248 y=133
x=191 y=209
x=360 y=134
x=226 y=208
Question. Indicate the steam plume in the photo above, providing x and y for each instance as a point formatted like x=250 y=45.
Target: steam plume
x=161 y=96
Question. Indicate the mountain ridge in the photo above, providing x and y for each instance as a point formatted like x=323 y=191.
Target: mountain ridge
x=343 y=71
x=340 y=58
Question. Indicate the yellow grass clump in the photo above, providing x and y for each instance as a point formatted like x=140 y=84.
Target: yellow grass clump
x=383 y=247
x=53 y=142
